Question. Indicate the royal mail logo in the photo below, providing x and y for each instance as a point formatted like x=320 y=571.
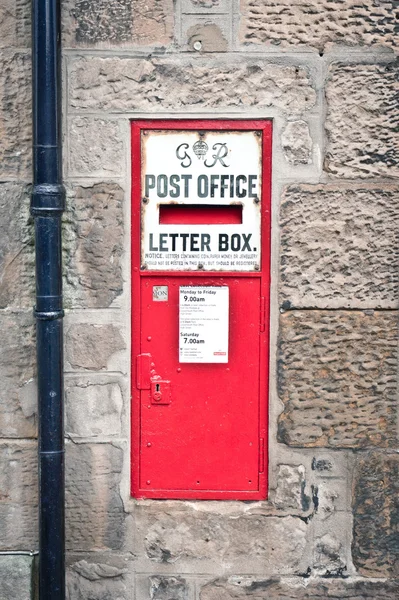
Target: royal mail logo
x=200 y=150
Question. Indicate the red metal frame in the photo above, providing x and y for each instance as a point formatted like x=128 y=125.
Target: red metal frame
x=265 y=126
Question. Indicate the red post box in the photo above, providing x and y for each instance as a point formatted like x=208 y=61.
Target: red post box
x=200 y=308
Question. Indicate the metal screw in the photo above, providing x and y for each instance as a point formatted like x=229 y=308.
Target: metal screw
x=200 y=266
x=197 y=45
x=145 y=200
x=256 y=267
x=149 y=445
x=143 y=267
x=258 y=133
x=256 y=200
x=148 y=482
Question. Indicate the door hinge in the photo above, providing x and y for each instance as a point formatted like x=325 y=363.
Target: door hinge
x=262 y=313
x=143 y=371
x=261 y=455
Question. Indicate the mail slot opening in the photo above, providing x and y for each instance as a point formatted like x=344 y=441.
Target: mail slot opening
x=200 y=214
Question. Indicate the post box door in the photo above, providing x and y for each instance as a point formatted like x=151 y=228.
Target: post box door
x=200 y=433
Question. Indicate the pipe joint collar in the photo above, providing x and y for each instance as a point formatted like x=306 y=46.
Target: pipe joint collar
x=48 y=199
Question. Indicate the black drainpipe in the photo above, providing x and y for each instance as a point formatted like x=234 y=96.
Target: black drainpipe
x=47 y=205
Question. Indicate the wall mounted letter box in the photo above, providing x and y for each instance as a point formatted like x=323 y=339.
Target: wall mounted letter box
x=200 y=308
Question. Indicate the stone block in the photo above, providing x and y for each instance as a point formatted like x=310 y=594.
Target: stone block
x=205 y=6
x=93 y=245
x=290 y=491
x=93 y=410
x=94 y=509
x=375 y=546
x=337 y=378
x=206 y=34
x=92 y=346
x=101 y=23
x=179 y=535
x=95 y=147
x=16 y=577
x=329 y=557
x=320 y=24
x=361 y=123
x=168 y=588
x=17 y=260
x=15 y=27
x=297 y=143
x=17 y=372
x=15 y=115
x=298 y=588
x=129 y=84
x=97 y=578
x=339 y=246
x=18 y=496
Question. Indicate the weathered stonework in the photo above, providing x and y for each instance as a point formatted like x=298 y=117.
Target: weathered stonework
x=17 y=372
x=17 y=265
x=93 y=410
x=375 y=545
x=339 y=246
x=211 y=35
x=94 y=510
x=176 y=534
x=116 y=84
x=95 y=147
x=15 y=115
x=337 y=378
x=98 y=578
x=297 y=143
x=362 y=121
x=93 y=245
x=236 y=588
x=290 y=491
x=91 y=346
x=18 y=496
x=319 y=24
x=168 y=588
x=16 y=577
x=14 y=23
x=102 y=23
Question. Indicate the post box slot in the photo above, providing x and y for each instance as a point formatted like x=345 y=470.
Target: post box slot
x=200 y=214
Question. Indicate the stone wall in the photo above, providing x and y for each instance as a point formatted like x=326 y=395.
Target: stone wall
x=326 y=73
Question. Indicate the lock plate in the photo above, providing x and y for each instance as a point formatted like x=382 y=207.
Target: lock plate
x=160 y=392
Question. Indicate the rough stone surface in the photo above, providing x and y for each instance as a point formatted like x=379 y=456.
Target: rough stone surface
x=14 y=23
x=290 y=490
x=93 y=244
x=91 y=346
x=203 y=4
x=318 y=24
x=362 y=120
x=375 y=545
x=212 y=35
x=120 y=22
x=87 y=579
x=337 y=378
x=17 y=372
x=328 y=557
x=15 y=115
x=17 y=264
x=275 y=588
x=95 y=147
x=168 y=588
x=18 y=496
x=94 y=510
x=93 y=410
x=297 y=143
x=15 y=577
x=175 y=534
x=339 y=246
x=135 y=84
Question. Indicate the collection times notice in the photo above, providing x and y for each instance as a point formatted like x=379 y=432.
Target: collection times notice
x=203 y=324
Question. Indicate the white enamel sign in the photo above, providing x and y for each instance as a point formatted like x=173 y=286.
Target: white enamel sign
x=204 y=170
x=203 y=324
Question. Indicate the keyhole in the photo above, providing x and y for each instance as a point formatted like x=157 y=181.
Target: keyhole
x=157 y=386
